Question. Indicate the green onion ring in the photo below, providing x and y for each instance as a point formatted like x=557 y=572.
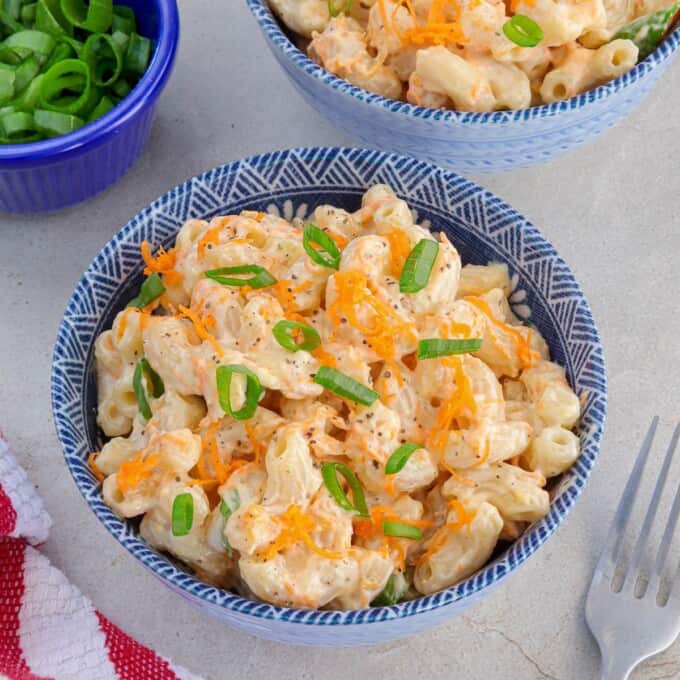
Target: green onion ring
x=123 y=20
x=397 y=461
x=329 y=473
x=151 y=289
x=69 y=75
x=138 y=54
x=343 y=385
x=96 y=16
x=336 y=11
x=104 y=56
x=327 y=254
x=254 y=391
x=262 y=278
x=401 y=530
x=282 y=332
x=144 y=370
x=523 y=31
x=51 y=19
x=182 y=514
x=38 y=42
x=418 y=266
x=431 y=348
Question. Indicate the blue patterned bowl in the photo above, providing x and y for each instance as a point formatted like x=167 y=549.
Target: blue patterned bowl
x=293 y=183
x=464 y=142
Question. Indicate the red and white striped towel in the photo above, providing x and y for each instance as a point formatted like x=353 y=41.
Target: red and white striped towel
x=48 y=628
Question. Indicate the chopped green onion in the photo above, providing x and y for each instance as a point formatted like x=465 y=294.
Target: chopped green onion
x=182 y=514
x=10 y=56
x=61 y=51
x=254 y=391
x=38 y=42
x=51 y=19
x=394 y=590
x=103 y=107
x=8 y=77
x=104 y=56
x=29 y=98
x=647 y=32
x=418 y=266
x=17 y=125
x=335 y=11
x=94 y=17
x=54 y=124
x=123 y=20
x=329 y=473
x=67 y=87
x=26 y=73
x=12 y=8
x=341 y=384
x=399 y=458
x=28 y=13
x=121 y=88
x=144 y=370
x=227 y=508
x=327 y=254
x=401 y=530
x=523 y=31
x=138 y=54
x=151 y=289
x=262 y=278
x=432 y=348
x=283 y=333
x=10 y=23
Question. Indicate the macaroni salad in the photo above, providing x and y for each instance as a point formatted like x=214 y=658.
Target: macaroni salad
x=328 y=414
x=478 y=55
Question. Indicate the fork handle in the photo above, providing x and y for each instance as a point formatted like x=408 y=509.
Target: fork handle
x=616 y=667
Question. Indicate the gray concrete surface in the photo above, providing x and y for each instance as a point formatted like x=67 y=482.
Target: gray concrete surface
x=612 y=211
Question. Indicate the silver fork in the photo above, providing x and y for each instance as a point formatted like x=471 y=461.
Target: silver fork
x=632 y=623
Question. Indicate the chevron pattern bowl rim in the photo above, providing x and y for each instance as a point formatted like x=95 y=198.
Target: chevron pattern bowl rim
x=94 y=298
x=277 y=37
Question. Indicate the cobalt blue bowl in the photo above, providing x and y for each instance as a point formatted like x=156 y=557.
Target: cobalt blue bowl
x=292 y=183
x=59 y=172
x=463 y=142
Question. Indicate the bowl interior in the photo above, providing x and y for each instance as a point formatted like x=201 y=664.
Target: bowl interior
x=292 y=183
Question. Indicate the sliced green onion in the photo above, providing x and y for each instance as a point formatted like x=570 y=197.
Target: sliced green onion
x=401 y=530
x=61 y=51
x=182 y=514
x=262 y=278
x=50 y=19
x=95 y=16
x=12 y=8
x=123 y=20
x=12 y=57
x=418 y=266
x=144 y=370
x=8 y=77
x=104 y=56
x=30 y=97
x=38 y=42
x=335 y=10
x=53 y=124
x=151 y=289
x=648 y=31
x=432 y=348
x=138 y=54
x=327 y=253
x=394 y=590
x=67 y=87
x=283 y=333
x=329 y=473
x=523 y=31
x=103 y=107
x=26 y=73
x=17 y=125
x=10 y=23
x=254 y=391
x=121 y=88
x=227 y=509
x=341 y=384
x=28 y=13
x=397 y=461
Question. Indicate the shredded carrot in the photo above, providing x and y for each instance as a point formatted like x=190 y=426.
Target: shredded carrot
x=211 y=237
x=324 y=357
x=258 y=448
x=440 y=537
x=485 y=456
x=163 y=263
x=296 y=528
x=134 y=471
x=201 y=330
x=400 y=247
x=93 y=466
x=461 y=404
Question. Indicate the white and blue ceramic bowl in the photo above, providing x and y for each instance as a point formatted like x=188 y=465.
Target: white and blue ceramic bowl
x=291 y=183
x=463 y=142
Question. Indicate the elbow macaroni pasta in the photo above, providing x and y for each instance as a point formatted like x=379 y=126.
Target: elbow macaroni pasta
x=455 y=53
x=487 y=429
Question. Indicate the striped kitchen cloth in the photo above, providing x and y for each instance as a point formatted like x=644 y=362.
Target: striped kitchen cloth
x=48 y=628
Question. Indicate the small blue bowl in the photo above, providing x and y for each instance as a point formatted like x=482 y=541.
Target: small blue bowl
x=59 y=172
x=464 y=142
x=292 y=183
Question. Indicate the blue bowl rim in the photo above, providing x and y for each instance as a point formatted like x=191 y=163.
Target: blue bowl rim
x=272 y=29
x=145 y=92
x=185 y=583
